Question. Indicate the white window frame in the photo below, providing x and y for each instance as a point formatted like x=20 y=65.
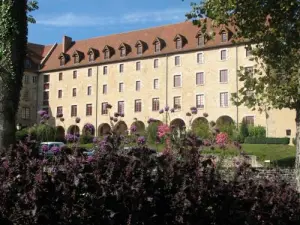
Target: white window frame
x=140 y=66
x=196 y=78
x=245 y=115
x=76 y=92
x=220 y=54
x=157 y=84
x=120 y=100
x=180 y=80
x=119 y=68
x=175 y=60
x=157 y=63
x=181 y=105
x=62 y=94
x=219 y=74
x=202 y=58
x=140 y=85
x=88 y=90
x=119 y=87
x=88 y=103
x=106 y=89
x=204 y=100
x=103 y=70
x=219 y=99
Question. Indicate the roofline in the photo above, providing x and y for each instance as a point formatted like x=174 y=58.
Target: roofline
x=142 y=57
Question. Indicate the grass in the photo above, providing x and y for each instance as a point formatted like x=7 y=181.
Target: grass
x=279 y=155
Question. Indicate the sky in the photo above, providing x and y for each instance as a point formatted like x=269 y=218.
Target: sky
x=92 y=18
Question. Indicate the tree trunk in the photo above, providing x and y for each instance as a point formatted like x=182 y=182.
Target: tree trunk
x=297 y=163
x=14 y=43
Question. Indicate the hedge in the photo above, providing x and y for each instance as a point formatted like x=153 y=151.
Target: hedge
x=267 y=140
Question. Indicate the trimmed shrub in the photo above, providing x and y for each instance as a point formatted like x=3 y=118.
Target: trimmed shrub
x=202 y=129
x=257 y=131
x=267 y=140
x=86 y=139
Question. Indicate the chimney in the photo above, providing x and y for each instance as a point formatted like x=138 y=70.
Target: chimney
x=66 y=43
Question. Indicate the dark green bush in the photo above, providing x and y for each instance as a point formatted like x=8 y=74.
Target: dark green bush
x=21 y=134
x=267 y=140
x=294 y=141
x=86 y=139
x=201 y=129
x=244 y=132
x=152 y=132
x=257 y=131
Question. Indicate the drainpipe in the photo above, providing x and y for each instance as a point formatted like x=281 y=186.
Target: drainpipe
x=167 y=85
x=237 y=85
x=96 y=128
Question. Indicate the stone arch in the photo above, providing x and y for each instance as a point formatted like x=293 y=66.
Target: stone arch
x=104 y=129
x=140 y=126
x=73 y=129
x=177 y=123
x=60 y=133
x=224 y=120
x=88 y=128
x=121 y=128
x=200 y=121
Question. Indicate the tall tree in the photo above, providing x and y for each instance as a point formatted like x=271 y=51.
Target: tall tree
x=13 y=44
x=271 y=30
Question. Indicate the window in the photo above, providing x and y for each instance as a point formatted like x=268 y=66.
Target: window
x=121 y=107
x=138 y=85
x=46 y=95
x=177 y=60
x=26 y=79
x=157 y=46
x=200 y=78
x=223 y=76
x=155 y=104
x=200 y=40
x=178 y=43
x=76 y=59
x=104 y=70
x=75 y=74
x=104 y=110
x=248 y=52
x=91 y=57
x=59 y=110
x=177 y=103
x=89 y=90
x=288 y=132
x=223 y=54
x=200 y=101
x=73 y=110
x=249 y=70
x=121 y=68
x=61 y=61
x=74 y=92
x=89 y=109
x=224 y=99
x=123 y=52
x=26 y=95
x=106 y=54
x=121 y=87
x=25 y=113
x=90 y=72
x=155 y=84
x=138 y=66
x=60 y=76
x=223 y=36
x=27 y=64
x=200 y=58
x=249 y=120
x=138 y=105
x=34 y=79
x=46 y=79
x=139 y=49
x=104 y=89
x=155 y=63
x=59 y=94
x=177 y=80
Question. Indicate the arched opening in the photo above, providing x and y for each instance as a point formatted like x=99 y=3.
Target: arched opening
x=103 y=129
x=224 y=120
x=140 y=126
x=74 y=129
x=60 y=133
x=121 y=128
x=88 y=129
x=177 y=123
x=200 y=127
x=226 y=124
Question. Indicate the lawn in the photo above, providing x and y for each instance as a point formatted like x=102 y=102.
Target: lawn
x=279 y=155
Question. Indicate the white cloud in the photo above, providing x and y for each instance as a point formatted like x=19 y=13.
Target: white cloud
x=79 y=20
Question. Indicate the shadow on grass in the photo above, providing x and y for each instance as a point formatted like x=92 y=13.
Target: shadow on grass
x=285 y=162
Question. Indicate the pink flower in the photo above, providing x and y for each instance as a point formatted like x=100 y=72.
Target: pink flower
x=222 y=138
x=163 y=130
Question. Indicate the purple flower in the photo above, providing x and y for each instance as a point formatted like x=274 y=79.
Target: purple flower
x=90 y=158
x=62 y=119
x=167 y=108
x=194 y=111
x=89 y=128
x=72 y=138
x=42 y=112
x=133 y=128
x=161 y=111
x=45 y=148
x=103 y=144
x=46 y=117
x=95 y=139
x=116 y=114
x=55 y=149
x=172 y=110
x=141 y=140
x=193 y=108
x=77 y=120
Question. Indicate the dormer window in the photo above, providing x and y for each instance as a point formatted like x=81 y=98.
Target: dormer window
x=157 y=47
x=123 y=52
x=139 y=49
x=92 y=54
x=224 y=36
x=62 y=59
x=77 y=56
x=91 y=57
x=106 y=54
x=159 y=44
x=76 y=59
x=27 y=64
x=178 y=43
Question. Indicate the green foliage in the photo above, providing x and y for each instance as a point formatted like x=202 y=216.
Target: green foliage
x=21 y=134
x=152 y=132
x=244 y=132
x=257 y=131
x=42 y=132
x=202 y=129
x=267 y=140
x=228 y=128
x=86 y=139
x=294 y=141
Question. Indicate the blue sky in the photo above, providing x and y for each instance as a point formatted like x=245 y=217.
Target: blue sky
x=91 y=18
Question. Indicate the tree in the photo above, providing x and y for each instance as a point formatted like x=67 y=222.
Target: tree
x=13 y=44
x=270 y=30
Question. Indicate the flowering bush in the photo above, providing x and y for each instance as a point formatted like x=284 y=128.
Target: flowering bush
x=89 y=129
x=71 y=138
x=222 y=139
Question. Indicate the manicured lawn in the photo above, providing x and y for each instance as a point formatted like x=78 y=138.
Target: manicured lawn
x=279 y=155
